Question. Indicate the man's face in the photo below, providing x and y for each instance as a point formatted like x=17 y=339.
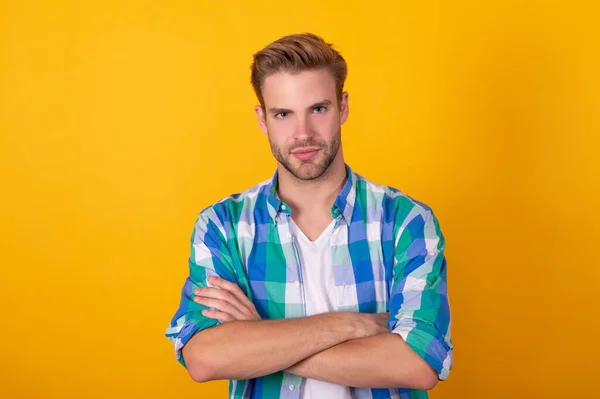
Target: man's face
x=303 y=120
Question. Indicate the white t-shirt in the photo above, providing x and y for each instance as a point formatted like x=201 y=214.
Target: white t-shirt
x=319 y=289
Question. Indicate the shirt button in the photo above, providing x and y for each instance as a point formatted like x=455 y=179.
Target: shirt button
x=289 y=235
x=297 y=283
x=283 y=207
x=292 y=387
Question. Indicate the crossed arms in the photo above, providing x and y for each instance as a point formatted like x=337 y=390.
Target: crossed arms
x=411 y=349
x=345 y=348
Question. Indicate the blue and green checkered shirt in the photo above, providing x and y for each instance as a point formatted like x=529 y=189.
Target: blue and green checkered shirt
x=387 y=253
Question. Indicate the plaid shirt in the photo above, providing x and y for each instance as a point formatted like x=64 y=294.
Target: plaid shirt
x=387 y=255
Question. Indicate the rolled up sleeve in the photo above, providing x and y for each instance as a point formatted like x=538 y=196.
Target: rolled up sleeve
x=419 y=307
x=209 y=257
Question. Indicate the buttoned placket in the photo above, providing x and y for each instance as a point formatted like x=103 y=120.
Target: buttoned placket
x=291 y=381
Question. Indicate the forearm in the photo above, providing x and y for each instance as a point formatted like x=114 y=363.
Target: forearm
x=248 y=349
x=380 y=361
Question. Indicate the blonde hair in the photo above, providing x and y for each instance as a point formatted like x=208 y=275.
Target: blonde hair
x=296 y=53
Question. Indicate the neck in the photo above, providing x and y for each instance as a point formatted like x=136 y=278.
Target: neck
x=316 y=195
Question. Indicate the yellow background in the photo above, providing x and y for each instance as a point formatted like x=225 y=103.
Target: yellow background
x=120 y=121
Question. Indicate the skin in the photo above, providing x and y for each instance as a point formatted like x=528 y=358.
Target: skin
x=302 y=114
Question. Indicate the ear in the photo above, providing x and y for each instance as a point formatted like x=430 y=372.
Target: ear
x=260 y=114
x=344 y=109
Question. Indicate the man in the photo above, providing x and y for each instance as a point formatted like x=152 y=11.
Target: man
x=316 y=283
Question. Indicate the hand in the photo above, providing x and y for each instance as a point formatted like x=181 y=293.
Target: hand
x=228 y=302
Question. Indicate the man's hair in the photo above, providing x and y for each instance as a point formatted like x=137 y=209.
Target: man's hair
x=297 y=53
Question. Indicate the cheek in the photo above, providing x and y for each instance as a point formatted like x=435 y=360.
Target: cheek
x=327 y=125
x=276 y=138
x=280 y=131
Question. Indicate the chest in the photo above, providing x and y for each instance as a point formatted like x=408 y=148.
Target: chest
x=358 y=261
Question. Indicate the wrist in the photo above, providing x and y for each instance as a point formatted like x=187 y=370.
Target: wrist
x=354 y=325
x=339 y=326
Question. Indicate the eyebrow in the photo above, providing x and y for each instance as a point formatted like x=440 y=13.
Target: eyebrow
x=276 y=110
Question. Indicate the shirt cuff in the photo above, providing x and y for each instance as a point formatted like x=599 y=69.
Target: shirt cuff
x=180 y=335
x=429 y=344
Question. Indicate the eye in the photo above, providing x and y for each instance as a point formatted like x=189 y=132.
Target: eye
x=281 y=115
x=319 y=110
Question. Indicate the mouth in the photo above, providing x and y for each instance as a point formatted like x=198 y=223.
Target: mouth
x=305 y=154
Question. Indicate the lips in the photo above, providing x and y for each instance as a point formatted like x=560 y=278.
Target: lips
x=306 y=154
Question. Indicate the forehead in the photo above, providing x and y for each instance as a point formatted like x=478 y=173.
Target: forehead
x=301 y=89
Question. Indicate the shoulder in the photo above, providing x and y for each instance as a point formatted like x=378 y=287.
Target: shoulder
x=389 y=197
x=231 y=209
x=403 y=215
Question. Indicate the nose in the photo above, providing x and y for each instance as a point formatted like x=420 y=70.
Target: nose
x=303 y=128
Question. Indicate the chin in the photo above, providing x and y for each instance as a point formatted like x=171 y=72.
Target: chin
x=309 y=171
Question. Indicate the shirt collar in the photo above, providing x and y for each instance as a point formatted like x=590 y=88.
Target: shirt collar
x=344 y=203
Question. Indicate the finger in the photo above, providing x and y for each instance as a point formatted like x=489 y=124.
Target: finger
x=222 y=306
x=215 y=314
x=233 y=288
x=224 y=295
